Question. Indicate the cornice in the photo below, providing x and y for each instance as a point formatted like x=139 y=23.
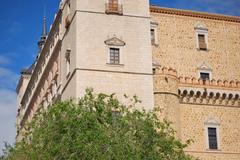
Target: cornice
x=156 y=9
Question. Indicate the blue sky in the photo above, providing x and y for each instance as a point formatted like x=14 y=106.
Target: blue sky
x=20 y=28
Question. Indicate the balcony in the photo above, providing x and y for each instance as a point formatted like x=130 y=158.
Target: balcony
x=112 y=8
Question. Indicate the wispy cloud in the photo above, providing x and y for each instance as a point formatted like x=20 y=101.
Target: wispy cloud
x=8 y=79
x=7 y=116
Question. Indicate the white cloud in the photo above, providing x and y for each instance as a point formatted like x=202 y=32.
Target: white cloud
x=8 y=111
x=8 y=79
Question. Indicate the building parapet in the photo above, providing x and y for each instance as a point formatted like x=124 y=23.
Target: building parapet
x=166 y=71
x=203 y=92
x=156 y=9
x=219 y=84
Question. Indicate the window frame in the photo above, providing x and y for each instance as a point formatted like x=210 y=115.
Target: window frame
x=212 y=124
x=68 y=62
x=206 y=72
x=215 y=136
x=117 y=11
x=154 y=27
x=119 y=58
x=204 y=32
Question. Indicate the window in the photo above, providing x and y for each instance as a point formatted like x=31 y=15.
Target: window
x=212 y=134
x=153 y=32
x=154 y=71
x=69 y=8
x=114 y=56
x=153 y=36
x=68 y=61
x=212 y=138
x=114 y=7
x=204 y=76
x=204 y=72
x=202 y=42
x=201 y=36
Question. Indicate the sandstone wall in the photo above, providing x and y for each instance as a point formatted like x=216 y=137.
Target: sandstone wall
x=178 y=46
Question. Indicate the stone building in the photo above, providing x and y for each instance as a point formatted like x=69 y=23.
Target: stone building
x=185 y=62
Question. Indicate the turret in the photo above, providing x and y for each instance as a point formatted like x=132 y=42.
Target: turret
x=43 y=38
x=166 y=96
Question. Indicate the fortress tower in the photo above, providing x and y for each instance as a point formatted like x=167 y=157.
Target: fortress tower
x=102 y=48
x=166 y=96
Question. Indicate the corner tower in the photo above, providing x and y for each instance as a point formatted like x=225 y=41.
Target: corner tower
x=110 y=48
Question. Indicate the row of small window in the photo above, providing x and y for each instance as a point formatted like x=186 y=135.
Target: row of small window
x=201 y=38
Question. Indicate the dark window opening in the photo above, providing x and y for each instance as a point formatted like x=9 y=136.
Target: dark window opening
x=114 y=55
x=204 y=76
x=152 y=36
x=202 y=42
x=154 y=71
x=212 y=138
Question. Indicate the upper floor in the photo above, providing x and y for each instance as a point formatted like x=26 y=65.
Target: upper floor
x=199 y=45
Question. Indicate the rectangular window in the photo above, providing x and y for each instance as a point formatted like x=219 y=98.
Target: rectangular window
x=202 y=42
x=114 y=7
x=204 y=76
x=212 y=138
x=114 y=55
x=68 y=61
x=153 y=36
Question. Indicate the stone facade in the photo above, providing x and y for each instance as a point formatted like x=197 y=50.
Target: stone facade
x=76 y=54
x=190 y=102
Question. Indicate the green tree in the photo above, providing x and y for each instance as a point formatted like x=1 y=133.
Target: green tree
x=98 y=127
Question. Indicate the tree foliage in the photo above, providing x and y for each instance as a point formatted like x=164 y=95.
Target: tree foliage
x=98 y=127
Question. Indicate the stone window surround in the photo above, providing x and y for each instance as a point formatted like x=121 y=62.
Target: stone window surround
x=201 y=31
x=212 y=123
x=68 y=61
x=205 y=68
x=117 y=43
x=154 y=26
x=121 y=60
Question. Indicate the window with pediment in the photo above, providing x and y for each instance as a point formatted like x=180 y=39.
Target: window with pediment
x=212 y=134
x=115 y=50
x=201 y=36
